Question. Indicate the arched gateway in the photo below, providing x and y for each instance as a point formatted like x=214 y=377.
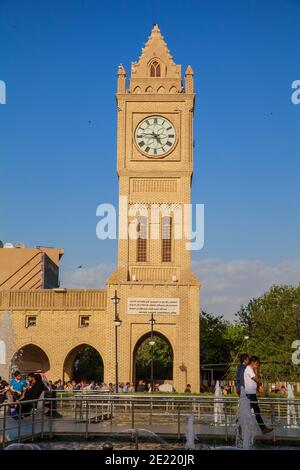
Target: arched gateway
x=153 y=279
x=30 y=358
x=83 y=362
x=153 y=354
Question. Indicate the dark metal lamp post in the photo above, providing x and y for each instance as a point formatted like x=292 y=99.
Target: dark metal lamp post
x=152 y=343
x=298 y=328
x=117 y=323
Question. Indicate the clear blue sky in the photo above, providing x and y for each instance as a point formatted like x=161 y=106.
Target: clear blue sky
x=58 y=129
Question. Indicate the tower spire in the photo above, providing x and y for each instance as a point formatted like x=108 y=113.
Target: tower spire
x=155 y=48
x=189 y=80
x=121 y=79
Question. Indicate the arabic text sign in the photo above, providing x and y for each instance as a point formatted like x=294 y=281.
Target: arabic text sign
x=144 y=305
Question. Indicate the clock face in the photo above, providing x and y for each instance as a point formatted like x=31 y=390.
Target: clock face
x=155 y=136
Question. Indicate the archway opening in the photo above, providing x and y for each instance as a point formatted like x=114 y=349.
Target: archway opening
x=161 y=352
x=84 y=363
x=30 y=358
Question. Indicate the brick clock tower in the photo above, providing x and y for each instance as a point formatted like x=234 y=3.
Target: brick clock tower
x=155 y=166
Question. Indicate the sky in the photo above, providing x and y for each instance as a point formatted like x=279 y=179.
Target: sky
x=59 y=62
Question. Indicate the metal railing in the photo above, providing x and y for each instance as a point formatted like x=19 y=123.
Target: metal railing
x=97 y=414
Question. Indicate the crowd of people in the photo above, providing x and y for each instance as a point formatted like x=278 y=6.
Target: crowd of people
x=123 y=387
x=22 y=388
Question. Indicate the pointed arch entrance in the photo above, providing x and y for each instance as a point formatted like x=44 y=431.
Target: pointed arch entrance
x=83 y=362
x=30 y=358
x=163 y=358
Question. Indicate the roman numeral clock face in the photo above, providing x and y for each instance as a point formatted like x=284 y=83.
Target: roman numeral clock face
x=155 y=136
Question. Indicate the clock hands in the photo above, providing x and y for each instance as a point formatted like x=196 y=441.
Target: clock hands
x=158 y=136
x=155 y=136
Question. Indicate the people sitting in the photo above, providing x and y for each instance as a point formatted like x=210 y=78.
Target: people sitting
x=32 y=392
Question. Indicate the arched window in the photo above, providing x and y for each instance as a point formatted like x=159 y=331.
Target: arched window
x=166 y=239
x=155 y=69
x=141 y=243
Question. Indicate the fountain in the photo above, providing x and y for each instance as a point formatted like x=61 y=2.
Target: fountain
x=245 y=423
x=291 y=410
x=137 y=433
x=218 y=406
x=20 y=446
x=190 y=434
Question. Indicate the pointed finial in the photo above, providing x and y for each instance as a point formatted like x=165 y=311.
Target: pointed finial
x=189 y=80
x=121 y=79
x=121 y=70
x=189 y=71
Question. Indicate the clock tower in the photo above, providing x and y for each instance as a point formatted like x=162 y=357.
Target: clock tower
x=155 y=167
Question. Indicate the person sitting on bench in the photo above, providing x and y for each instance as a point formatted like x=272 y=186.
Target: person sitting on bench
x=32 y=392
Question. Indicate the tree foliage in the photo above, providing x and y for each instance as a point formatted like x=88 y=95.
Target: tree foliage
x=162 y=359
x=271 y=322
x=89 y=366
x=219 y=339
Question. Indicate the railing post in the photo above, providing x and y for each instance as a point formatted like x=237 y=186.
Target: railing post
x=226 y=423
x=81 y=409
x=32 y=421
x=43 y=419
x=50 y=423
x=132 y=414
x=87 y=419
x=273 y=421
x=151 y=410
x=111 y=411
x=4 y=426
x=178 y=422
x=19 y=422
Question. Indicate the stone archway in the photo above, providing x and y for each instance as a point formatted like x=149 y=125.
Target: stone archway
x=83 y=362
x=163 y=358
x=30 y=358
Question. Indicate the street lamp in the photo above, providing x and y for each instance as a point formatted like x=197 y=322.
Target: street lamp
x=152 y=343
x=297 y=327
x=117 y=323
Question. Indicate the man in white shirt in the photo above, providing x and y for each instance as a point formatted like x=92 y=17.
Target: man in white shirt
x=252 y=382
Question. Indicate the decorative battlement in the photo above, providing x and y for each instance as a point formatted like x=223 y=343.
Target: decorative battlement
x=53 y=299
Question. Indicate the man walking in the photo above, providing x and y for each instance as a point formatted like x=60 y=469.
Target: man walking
x=252 y=382
x=244 y=361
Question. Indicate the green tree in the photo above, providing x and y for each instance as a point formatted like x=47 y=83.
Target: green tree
x=271 y=323
x=90 y=365
x=162 y=359
x=220 y=340
x=212 y=347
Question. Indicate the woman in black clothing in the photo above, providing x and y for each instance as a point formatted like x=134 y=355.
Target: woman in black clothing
x=32 y=393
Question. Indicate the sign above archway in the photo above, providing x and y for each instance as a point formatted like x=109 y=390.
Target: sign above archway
x=147 y=306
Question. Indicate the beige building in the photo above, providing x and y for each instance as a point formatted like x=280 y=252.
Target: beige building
x=153 y=277
x=29 y=268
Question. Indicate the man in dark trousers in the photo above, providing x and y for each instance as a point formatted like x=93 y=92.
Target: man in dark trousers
x=252 y=382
